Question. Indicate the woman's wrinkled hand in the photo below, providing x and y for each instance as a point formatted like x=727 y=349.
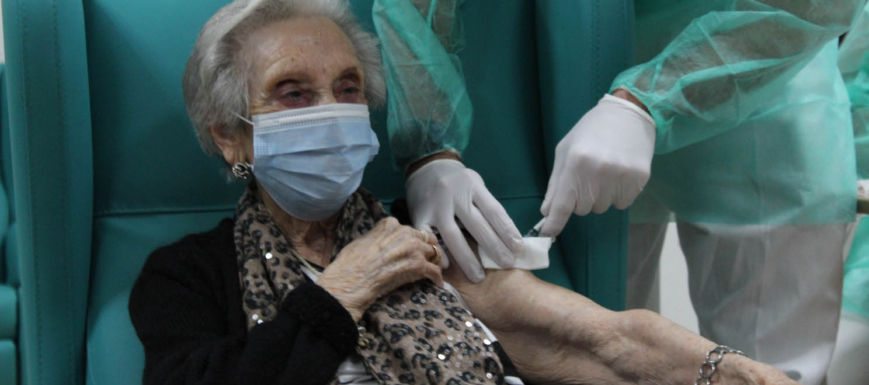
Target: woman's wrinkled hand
x=742 y=370
x=387 y=257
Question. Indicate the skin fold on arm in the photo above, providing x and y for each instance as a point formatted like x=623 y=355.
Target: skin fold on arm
x=556 y=336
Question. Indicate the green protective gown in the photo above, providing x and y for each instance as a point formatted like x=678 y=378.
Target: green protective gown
x=858 y=91
x=749 y=105
x=854 y=63
x=429 y=110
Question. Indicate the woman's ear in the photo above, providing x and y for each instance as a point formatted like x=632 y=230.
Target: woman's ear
x=233 y=147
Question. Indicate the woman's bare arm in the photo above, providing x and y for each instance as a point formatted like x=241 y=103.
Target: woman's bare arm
x=556 y=336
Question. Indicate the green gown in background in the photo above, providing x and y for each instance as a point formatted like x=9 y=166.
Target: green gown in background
x=745 y=135
x=428 y=107
x=854 y=63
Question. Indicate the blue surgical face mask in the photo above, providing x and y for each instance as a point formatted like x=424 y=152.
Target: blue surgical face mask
x=310 y=160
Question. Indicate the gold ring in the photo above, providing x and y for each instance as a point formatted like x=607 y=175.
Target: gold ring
x=424 y=235
x=437 y=259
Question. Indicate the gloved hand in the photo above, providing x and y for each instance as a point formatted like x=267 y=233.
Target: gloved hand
x=605 y=159
x=444 y=189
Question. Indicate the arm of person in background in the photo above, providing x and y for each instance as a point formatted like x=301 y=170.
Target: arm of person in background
x=555 y=336
x=429 y=121
x=708 y=80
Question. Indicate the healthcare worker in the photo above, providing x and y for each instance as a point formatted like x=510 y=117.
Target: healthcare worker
x=429 y=121
x=750 y=129
x=741 y=101
x=852 y=345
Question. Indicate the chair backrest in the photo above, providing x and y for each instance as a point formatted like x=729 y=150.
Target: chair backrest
x=52 y=169
x=6 y=213
x=107 y=168
x=8 y=255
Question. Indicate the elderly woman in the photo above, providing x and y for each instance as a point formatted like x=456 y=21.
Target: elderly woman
x=312 y=283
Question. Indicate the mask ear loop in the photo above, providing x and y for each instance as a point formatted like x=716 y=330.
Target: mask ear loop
x=242 y=170
x=243 y=118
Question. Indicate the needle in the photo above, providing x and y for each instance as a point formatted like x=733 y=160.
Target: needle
x=535 y=231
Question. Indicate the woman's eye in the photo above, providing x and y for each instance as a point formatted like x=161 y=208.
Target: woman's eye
x=348 y=95
x=295 y=98
x=293 y=95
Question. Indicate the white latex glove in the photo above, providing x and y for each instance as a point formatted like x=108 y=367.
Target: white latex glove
x=444 y=189
x=605 y=159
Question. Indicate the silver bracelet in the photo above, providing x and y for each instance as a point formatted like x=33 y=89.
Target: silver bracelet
x=713 y=358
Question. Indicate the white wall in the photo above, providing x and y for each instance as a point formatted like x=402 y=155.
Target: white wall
x=675 y=302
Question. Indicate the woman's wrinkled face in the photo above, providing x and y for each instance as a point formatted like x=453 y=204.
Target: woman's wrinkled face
x=295 y=63
x=302 y=62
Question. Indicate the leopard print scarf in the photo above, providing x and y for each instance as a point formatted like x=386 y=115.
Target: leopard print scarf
x=418 y=334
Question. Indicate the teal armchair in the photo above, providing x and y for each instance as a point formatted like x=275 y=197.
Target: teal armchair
x=106 y=167
x=8 y=256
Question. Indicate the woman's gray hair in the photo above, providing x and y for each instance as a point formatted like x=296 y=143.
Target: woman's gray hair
x=216 y=80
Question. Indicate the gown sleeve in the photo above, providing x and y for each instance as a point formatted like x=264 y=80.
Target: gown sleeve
x=721 y=68
x=428 y=107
